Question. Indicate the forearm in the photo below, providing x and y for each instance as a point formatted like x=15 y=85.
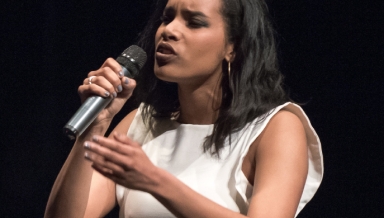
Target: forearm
x=70 y=192
x=183 y=201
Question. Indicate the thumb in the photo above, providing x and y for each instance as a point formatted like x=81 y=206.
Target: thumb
x=128 y=84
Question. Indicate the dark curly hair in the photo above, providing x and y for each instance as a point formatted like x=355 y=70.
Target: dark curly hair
x=253 y=87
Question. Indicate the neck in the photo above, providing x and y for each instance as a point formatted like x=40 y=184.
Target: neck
x=199 y=105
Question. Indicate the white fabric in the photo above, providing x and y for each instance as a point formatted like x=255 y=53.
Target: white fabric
x=177 y=148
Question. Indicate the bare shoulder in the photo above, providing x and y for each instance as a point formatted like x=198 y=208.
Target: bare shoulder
x=125 y=123
x=285 y=127
x=280 y=154
x=283 y=137
x=285 y=119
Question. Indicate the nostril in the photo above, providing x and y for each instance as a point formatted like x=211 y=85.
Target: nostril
x=169 y=32
x=173 y=38
x=163 y=35
x=166 y=36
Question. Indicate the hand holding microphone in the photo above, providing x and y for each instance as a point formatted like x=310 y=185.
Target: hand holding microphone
x=109 y=83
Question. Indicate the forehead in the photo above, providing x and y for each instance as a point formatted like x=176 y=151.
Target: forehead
x=208 y=7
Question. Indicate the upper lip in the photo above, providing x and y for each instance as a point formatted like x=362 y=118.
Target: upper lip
x=165 y=46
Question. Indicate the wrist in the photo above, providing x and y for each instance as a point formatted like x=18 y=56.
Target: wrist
x=161 y=177
x=99 y=128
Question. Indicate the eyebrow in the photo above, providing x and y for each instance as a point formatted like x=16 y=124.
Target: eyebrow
x=185 y=12
x=169 y=10
x=193 y=13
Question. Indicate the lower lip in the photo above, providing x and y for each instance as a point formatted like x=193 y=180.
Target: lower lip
x=164 y=58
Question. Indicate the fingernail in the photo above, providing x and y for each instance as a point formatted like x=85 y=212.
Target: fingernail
x=106 y=94
x=119 y=88
x=87 y=145
x=95 y=138
x=121 y=74
x=126 y=81
x=114 y=94
x=87 y=155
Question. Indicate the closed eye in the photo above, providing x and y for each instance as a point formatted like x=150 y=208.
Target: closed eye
x=165 y=19
x=195 y=19
x=196 y=23
x=168 y=15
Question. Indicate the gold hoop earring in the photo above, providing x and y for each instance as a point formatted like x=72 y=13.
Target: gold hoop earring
x=229 y=67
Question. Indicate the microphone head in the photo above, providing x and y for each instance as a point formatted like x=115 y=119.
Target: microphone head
x=133 y=58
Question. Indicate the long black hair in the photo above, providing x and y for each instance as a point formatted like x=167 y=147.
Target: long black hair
x=251 y=89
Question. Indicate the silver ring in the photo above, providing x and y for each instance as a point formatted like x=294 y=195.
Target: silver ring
x=90 y=79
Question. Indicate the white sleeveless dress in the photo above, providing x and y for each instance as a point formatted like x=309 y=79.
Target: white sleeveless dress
x=177 y=148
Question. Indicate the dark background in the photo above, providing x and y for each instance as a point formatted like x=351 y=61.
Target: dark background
x=331 y=52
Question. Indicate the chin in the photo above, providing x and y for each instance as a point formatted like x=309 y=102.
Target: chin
x=165 y=77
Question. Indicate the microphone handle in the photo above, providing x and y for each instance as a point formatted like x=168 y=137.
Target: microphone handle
x=87 y=113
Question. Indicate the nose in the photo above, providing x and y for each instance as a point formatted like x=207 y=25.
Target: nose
x=171 y=31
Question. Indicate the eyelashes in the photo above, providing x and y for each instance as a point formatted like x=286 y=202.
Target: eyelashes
x=193 y=23
x=165 y=19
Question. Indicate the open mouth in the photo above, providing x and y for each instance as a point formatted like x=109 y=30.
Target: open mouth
x=165 y=48
x=164 y=54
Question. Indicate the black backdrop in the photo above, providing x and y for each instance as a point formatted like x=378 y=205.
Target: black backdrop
x=331 y=52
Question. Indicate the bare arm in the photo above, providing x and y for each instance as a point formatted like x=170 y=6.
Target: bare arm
x=70 y=192
x=102 y=195
x=281 y=169
x=73 y=193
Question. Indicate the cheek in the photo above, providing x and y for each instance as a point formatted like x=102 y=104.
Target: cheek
x=158 y=35
x=209 y=46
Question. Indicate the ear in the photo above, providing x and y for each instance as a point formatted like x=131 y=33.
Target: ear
x=229 y=54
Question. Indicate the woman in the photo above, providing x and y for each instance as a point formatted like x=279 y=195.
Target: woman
x=214 y=136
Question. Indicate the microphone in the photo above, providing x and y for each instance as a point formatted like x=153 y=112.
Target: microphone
x=131 y=60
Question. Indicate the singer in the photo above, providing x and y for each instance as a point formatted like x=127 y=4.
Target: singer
x=215 y=134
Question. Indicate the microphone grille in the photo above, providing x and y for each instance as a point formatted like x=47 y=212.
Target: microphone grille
x=133 y=59
x=136 y=55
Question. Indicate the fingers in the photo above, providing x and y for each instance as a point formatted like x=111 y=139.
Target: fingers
x=105 y=160
x=108 y=153
x=107 y=78
x=108 y=81
x=94 y=89
x=112 y=63
x=121 y=160
x=107 y=168
x=112 y=71
x=128 y=85
x=124 y=148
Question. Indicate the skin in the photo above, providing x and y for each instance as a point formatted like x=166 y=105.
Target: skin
x=86 y=187
x=200 y=45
